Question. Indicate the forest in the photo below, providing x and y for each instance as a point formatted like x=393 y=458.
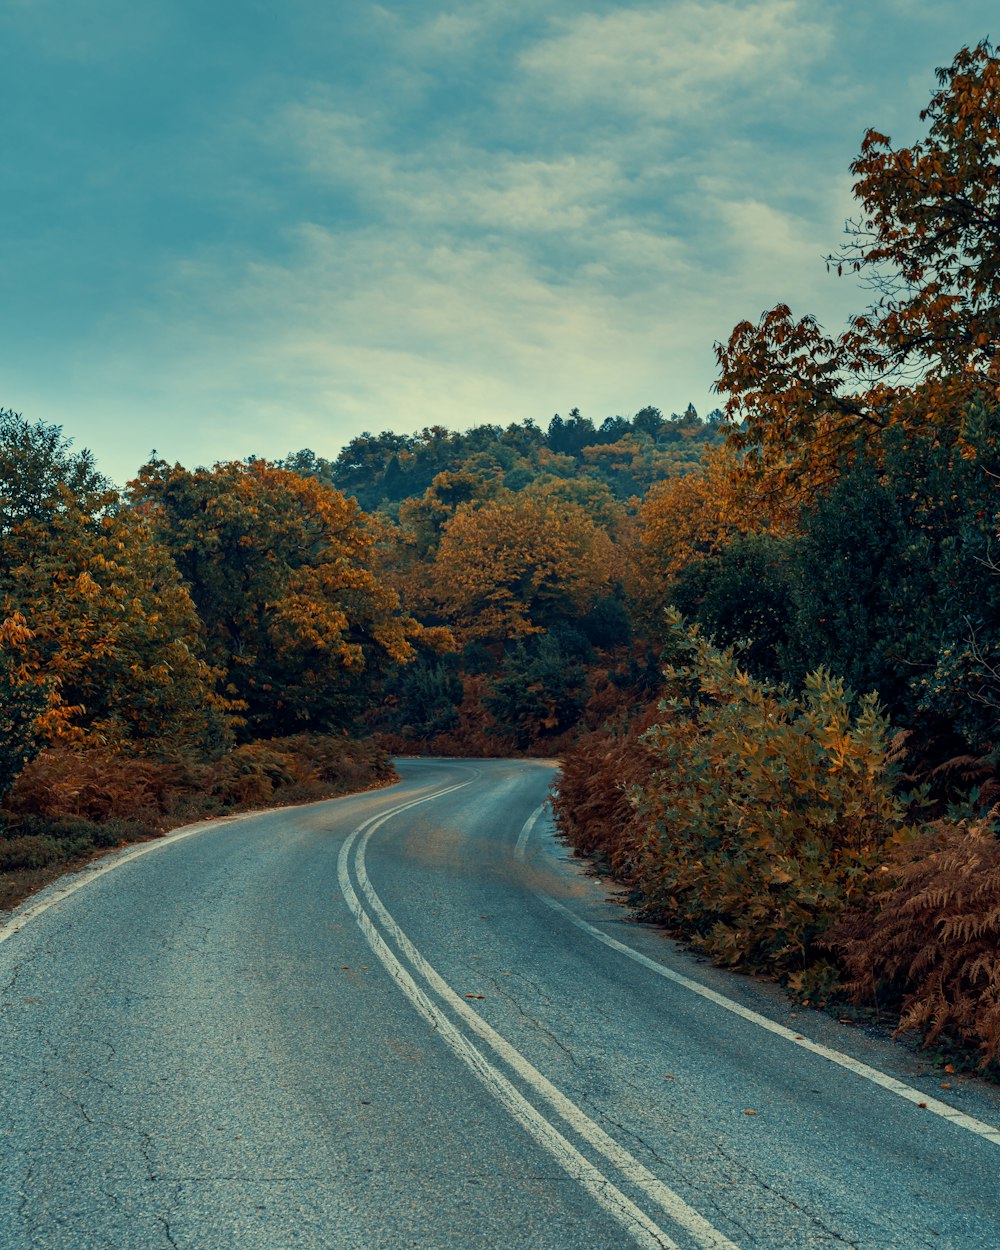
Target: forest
x=763 y=643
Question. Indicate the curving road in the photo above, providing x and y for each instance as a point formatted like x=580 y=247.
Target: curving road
x=408 y=1019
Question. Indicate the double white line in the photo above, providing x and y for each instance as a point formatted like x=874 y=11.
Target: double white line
x=447 y=1013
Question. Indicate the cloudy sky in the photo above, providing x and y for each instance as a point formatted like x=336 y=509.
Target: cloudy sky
x=234 y=228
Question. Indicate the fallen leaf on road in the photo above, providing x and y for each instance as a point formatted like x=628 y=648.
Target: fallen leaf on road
x=946 y=1084
x=948 y=1068
x=669 y=1076
x=921 y=1104
x=475 y=996
x=749 y=1112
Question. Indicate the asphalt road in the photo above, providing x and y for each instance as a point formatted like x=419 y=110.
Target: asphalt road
x=409 y=1019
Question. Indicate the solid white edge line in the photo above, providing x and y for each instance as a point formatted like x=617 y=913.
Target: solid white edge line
x=526 y=828
x=640 y=1227
x=667 y=1199
x=925 y=1102
x=28 y=911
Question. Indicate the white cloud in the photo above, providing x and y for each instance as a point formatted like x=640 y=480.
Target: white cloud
x=679 y=60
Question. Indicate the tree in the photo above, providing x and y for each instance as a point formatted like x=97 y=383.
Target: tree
x=280 y=568
x=514 y=566
x=99 y=637
x=112 y=633
x=422 y=698
x=687 y=518
x=539 y=691
x=741 y=597
x=927 y=240
x=37 y=468
x=24 y=699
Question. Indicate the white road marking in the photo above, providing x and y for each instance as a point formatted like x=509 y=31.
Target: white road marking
x=924 y=1101
x=643 y=1231
x=525 y=834
x=669 y=1201
x=77 y=880
x=88 y=875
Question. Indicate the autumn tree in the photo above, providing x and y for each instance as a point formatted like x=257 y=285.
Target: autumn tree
x=280 y=568
x=113 y=633
x=687 y=518
x=23 y=702
x=513 y=566
x=927 y=239
x=98 y=635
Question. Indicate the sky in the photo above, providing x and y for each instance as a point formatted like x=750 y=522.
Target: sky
x=243 y=228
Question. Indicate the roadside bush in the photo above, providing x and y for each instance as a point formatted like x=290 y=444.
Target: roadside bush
x=100 y=784
x=67 y=803
x=29 y=852
x=928 y=943
x=756 y=817
x=340 y=761
x=766 y=814
x=252 y=773
x=591 y=797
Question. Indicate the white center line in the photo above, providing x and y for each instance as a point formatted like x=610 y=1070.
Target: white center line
x=596 y=1183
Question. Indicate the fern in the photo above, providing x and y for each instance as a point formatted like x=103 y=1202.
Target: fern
x=929 y=943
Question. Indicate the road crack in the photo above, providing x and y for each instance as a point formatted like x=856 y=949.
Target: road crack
x=789 y=1202
x=533 y=1020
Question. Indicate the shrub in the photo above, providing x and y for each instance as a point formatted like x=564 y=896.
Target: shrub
x=755 y=816
x=250 y=774
x=29 y=852
x=591 y=796
x=101 y=784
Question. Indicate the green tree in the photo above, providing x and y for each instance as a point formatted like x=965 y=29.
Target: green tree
x=743 y=597
x=539 y=691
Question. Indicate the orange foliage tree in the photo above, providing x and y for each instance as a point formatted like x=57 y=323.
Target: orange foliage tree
x=802 y=401
x=509 y=567
x=280 y=569
x=687 y=518
x=98 y=634
x=110 y=632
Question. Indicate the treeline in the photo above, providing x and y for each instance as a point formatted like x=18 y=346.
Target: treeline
x=815 y=794
x=205 y=641
x=235 y=635
x=625 y=454
x=516 y=542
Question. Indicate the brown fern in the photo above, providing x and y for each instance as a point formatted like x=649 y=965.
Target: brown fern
x=929 y=943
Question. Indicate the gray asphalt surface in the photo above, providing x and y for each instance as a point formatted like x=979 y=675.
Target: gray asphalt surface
x=260 y=1037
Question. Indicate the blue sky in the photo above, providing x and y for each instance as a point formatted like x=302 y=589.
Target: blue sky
x=245 y=228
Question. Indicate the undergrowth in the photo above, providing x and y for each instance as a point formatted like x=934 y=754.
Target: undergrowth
x=70 y=804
